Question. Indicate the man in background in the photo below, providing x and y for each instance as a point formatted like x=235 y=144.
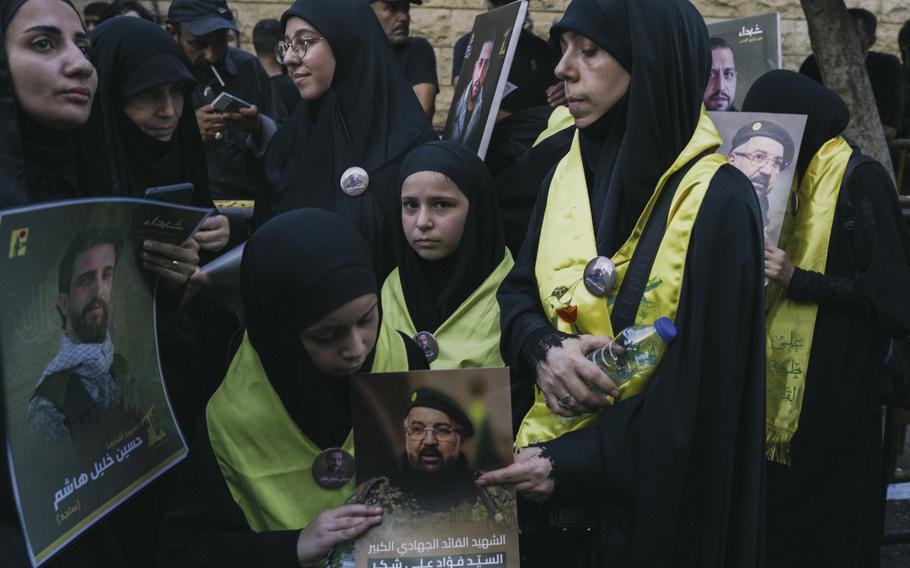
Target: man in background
x=885 y=72
x=266 y=35
x=415 y=55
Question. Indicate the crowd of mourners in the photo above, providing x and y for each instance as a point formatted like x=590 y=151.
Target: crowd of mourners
x=602 y=150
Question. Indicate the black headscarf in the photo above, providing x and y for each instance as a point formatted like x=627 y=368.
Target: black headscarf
x=369 y=117
x=297 y=268
x=433 y=290
x=663 y=44
x=787 y=92
x=39 y=163
x=133 y=55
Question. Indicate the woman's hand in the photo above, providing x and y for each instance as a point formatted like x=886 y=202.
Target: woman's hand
x=530 y=474
x=331 y=528
x=565 y=374
x=174 y=264
x=778 y=267
x=214 y=233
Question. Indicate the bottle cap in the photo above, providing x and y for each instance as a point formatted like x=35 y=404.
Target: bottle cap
x=665 y=329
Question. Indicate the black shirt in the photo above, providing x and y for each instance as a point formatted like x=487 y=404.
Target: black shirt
x=235 y=170
x=418 y=61
x=531 y=72
x=886 y=76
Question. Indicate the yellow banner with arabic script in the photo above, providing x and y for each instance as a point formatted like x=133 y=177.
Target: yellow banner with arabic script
x=567 y=243
x=790 y=325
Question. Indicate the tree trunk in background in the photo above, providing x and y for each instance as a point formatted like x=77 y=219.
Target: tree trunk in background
x=840 y=59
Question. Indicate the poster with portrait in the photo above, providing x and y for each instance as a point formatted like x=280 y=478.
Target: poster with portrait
x=764 y=147
x=422 y=438
x=88 y=419
x=742 y=50
x=484 y=73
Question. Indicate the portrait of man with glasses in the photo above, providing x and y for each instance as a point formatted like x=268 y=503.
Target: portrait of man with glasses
x=761 y=150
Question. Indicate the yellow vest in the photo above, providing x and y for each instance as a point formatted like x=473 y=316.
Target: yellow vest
x=263 y=456
x=568 y=243
x=790 y=325
x=468 y=339
x=559 y=120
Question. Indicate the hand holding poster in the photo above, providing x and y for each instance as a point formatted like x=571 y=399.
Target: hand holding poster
x=764 y=148
x=422 y=439
x=742 y=50
x=89 y=422
x=483 y=76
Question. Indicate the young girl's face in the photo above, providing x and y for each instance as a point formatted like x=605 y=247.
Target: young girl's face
x=338 y=344
x=433 y=214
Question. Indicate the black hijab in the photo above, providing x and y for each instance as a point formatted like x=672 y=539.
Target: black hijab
x=39 y=163
x=133 y=55
x=787 y=92
x=663 y=45
x=369 y=117
x=433 y=290
x=297 y=268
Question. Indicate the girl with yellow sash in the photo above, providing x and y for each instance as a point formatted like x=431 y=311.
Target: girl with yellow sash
x=271 y=466
x=673 y=471
x=451 y=259
x=838 y=290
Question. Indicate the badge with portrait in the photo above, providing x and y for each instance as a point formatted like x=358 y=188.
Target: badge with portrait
x=742 y=50
x=483 y=77
x=422 y=439
x=88 y=419
x=764 y=147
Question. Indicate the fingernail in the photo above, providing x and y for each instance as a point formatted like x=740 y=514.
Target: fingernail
x=147 y=244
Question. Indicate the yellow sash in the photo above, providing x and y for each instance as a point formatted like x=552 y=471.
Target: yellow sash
x=790 y=325
x=559 y=120
x=567 y=243
x=264 y=457
x=468 y=339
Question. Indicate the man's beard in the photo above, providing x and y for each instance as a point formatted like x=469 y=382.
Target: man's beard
x=431 y=451
x=720 y=95
x=87 y=331
x=400 y=34
x=761 y=183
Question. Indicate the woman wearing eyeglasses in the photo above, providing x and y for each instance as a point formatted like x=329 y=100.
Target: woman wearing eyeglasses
x=342 y=148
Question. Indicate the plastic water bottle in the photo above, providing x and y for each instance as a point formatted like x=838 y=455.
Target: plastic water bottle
x=642 y=346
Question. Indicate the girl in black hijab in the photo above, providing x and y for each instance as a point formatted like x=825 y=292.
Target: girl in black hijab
x=671 y=474
x=248 y=496
x=363 y=114
x=860 y=294
x=451 y=258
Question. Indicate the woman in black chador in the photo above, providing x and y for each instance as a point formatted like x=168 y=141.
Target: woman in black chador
x=672 y=474
x=358 y=110
x=824 y=490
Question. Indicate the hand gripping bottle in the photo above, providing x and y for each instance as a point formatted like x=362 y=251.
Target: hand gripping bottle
x=642 y=348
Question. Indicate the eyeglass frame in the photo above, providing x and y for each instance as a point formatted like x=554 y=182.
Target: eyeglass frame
x=282 y=47
x=761 y=163
x=435 y=429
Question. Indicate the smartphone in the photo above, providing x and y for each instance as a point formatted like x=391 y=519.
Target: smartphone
x=178 y=194
x=226 y=102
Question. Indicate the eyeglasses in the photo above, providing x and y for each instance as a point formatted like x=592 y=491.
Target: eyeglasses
x=299 y=45
x=443 y=433
x=759 y=159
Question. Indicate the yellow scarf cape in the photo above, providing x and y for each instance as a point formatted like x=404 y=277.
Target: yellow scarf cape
x=567 y=243
x=264 y=458
x=790 y=325
x=559 y=120
x=468 y=339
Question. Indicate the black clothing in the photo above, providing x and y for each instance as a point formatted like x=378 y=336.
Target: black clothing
x=418 y=61
x=825 y=508
x=368 y=118
x=131 y=56
x=287 y=90
x=235 y=163
x=886 y=75
x=677 y=472
x=531 y=71
x=442 y=491
x=433 y=290
x=518 y=169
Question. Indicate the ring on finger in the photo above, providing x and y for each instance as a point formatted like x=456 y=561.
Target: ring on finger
x=174 y=263
x=564 y=401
